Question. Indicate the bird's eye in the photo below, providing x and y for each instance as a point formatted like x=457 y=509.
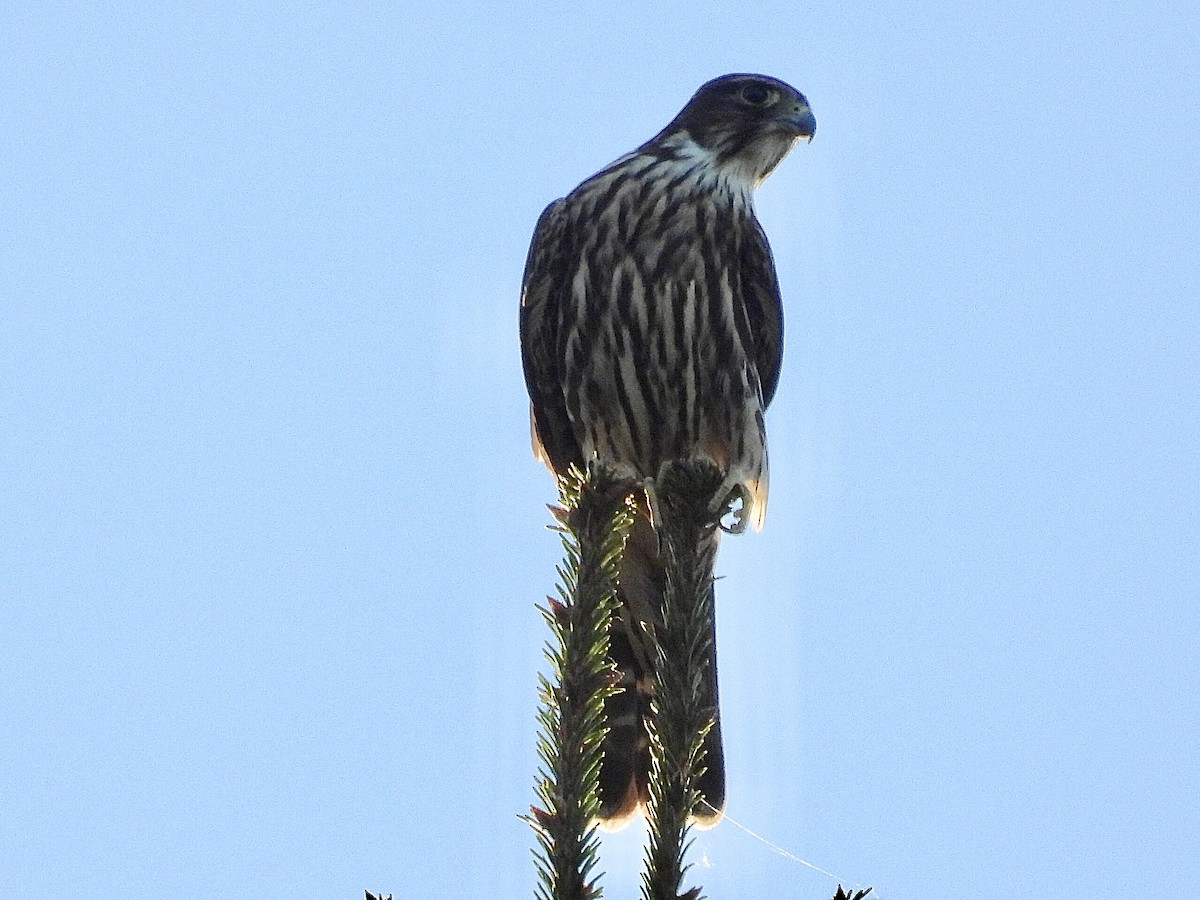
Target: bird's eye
x=757 y=94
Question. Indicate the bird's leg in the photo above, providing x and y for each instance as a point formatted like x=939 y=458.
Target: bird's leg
x=730 y=500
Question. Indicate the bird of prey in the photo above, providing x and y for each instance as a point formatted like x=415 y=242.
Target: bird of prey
x=652 y=331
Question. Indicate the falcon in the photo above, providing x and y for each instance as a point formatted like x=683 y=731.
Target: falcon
x=652 y=331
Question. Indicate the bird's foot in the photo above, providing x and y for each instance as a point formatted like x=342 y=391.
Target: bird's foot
x=731 y=507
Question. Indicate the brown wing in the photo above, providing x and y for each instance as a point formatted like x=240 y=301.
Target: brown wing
x=764 y=306
x=544 y=289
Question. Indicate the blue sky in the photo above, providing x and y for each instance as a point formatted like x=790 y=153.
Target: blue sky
x=271 y=536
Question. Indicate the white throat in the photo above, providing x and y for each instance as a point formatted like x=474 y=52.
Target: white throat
x=733 y=175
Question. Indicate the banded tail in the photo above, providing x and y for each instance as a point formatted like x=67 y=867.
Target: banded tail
x=625 y=769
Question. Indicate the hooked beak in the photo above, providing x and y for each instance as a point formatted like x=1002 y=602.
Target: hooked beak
x=800 y=120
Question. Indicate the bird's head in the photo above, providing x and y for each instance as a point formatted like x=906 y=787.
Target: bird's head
x=747 y=123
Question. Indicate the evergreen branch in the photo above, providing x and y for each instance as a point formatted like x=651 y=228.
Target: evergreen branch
x=680 y=717
x=595 y=517
x=596 y=514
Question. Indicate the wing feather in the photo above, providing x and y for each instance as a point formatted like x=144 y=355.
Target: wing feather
x=764 y=306
x=543 y=294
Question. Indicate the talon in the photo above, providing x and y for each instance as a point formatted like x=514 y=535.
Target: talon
x=735 y=507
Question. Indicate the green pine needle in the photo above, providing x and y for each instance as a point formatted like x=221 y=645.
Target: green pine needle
x=680 y=718
x=595 y=516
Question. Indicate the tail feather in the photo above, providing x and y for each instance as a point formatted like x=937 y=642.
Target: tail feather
x=625 y=769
